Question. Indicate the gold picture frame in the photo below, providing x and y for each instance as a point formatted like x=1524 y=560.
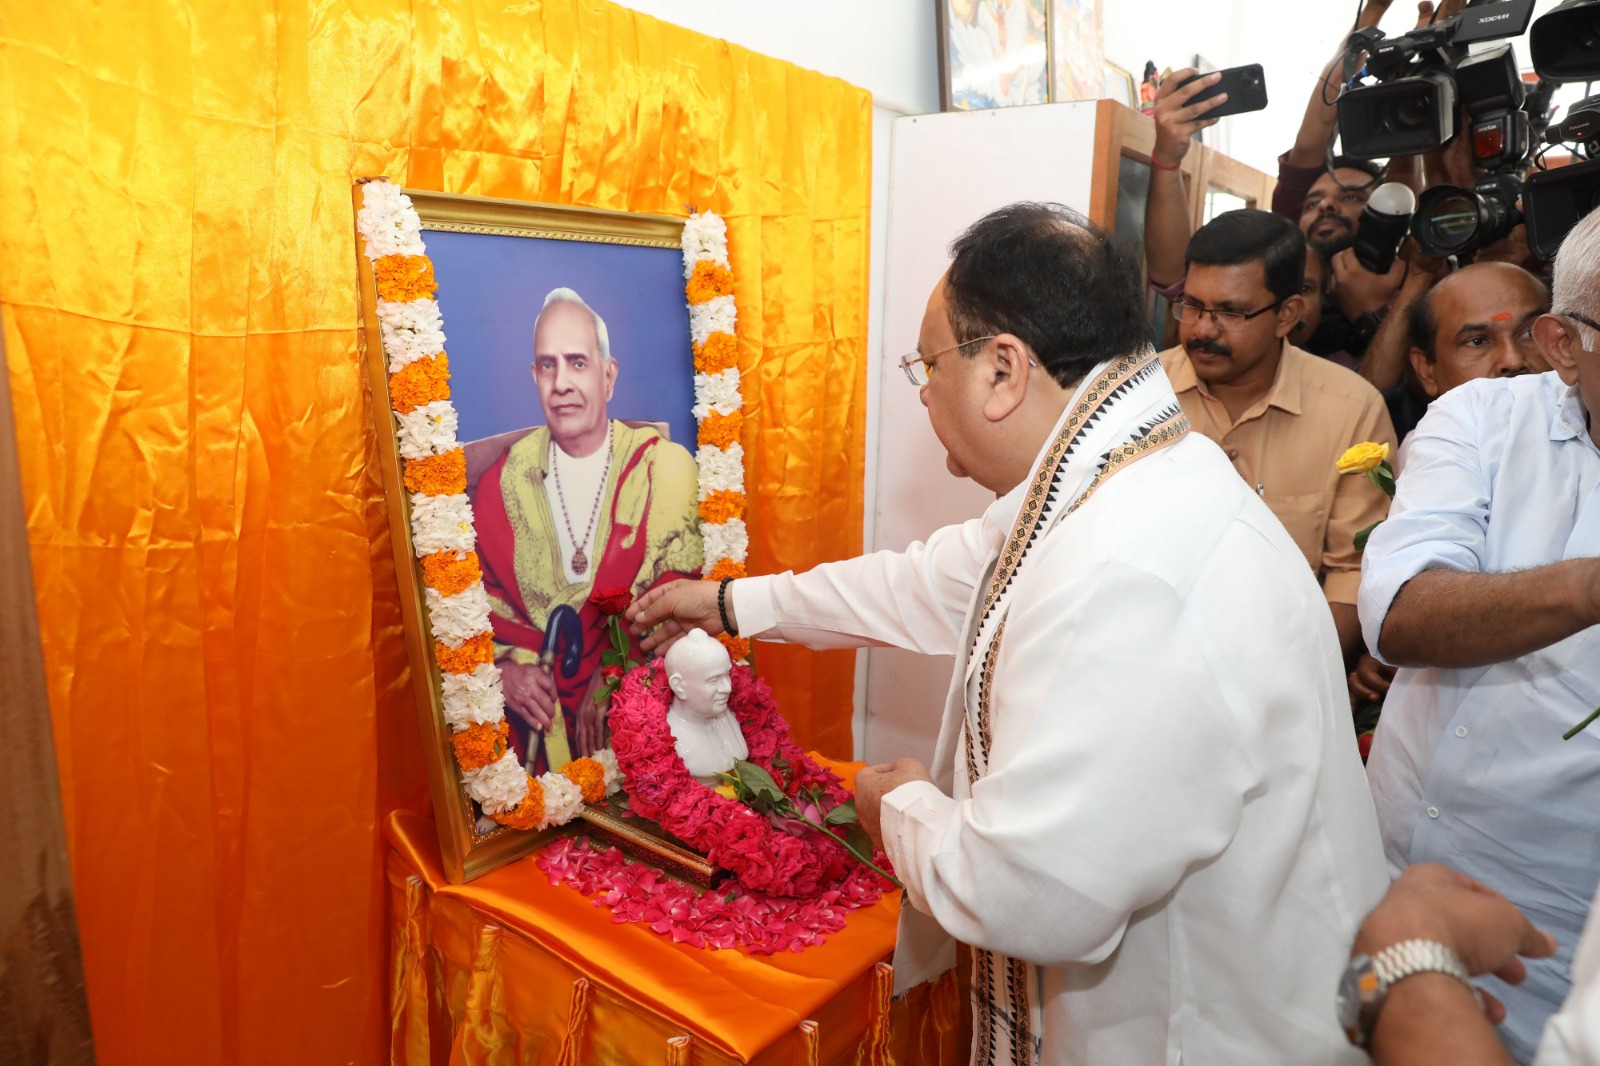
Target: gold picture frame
x=470 y=845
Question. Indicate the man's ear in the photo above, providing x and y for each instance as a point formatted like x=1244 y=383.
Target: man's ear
x=1560 y=343
x=1290 y=312
x=1005 y=367
x=1424 y=368
x=610 y=371
x=675 y=683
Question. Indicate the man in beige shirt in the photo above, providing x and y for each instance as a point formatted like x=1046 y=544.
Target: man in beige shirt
x=1284 y=417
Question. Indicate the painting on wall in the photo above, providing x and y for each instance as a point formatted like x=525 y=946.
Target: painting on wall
x=993 y=53
x=1077 y=58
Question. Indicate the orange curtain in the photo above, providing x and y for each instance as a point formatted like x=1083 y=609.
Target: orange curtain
x=219 y=615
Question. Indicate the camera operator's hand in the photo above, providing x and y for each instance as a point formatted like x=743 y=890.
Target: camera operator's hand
x=1412 y=255
x=1357 y=291
x=1177 y=120
x=1372 y=13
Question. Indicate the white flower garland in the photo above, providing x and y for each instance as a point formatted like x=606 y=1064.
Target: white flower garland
x=442 y=524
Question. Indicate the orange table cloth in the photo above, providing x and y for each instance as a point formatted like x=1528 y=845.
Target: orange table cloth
x=511 y=968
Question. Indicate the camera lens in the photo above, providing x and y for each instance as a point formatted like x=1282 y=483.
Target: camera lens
x=1451 y=221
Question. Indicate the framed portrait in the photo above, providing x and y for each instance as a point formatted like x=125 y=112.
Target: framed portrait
x=1077 y=59
x=571 y=374
x=992 y=53
x=1120 y=86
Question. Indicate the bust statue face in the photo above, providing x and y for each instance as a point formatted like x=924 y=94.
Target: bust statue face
x=697 y=669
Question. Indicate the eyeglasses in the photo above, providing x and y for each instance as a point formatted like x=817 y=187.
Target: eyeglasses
x=919 y=367
x=1227 y=321
x=1585 y=319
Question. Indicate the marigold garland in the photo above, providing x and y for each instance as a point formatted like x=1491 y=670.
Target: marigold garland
x=707 y=281
x=481 y=744
x=529 y=814
x=722 y=505
x=403 y=278
x=726 y=568
x=419 y=382
x=738 y=647
x=589 y=776
x=438 y=475
x=719 y=352
x=448 y=572
x=465 y=659
x=720 y=430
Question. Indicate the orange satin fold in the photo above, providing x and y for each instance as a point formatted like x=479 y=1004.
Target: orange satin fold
x=219 y=615
x=533 y=972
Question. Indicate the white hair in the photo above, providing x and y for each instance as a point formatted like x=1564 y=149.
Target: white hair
x=568 y=296
x=1578 y=270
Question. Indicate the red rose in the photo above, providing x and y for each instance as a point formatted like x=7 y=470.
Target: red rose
x=611 y=672
x=611 y=601
x=1364 y=742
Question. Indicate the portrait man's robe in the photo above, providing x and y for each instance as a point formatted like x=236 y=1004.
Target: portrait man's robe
x=647 y=534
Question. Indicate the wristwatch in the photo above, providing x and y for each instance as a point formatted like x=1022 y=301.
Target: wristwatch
x=1368 y=978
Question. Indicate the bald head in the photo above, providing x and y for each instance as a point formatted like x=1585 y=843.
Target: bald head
x=1477 y=323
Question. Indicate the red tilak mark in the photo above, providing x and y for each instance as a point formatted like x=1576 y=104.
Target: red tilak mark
x=1503 y=316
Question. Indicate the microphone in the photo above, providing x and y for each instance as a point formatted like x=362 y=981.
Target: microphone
x=1385 y=221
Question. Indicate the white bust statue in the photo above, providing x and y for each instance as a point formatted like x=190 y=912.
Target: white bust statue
x=707 y=734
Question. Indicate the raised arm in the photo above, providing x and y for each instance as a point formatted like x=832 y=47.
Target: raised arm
x=1385 y=361
x=1166 y=209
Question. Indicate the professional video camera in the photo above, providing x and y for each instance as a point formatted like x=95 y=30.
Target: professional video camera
x=1565 y=44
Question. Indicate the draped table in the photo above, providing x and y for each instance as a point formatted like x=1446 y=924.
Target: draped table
x=513 y=969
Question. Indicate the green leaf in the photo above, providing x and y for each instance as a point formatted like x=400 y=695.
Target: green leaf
x=1361 y=537
x=1382 y=476
x=759 y=782
x=858 y=838
x=844 y=814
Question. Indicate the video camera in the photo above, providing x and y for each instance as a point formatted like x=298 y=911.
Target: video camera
x=1424 y=79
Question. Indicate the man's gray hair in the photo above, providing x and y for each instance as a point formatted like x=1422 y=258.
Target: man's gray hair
x=1577 y=278
x=568 y=296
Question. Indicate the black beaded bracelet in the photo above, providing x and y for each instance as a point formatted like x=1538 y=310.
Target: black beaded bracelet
x=722 y=607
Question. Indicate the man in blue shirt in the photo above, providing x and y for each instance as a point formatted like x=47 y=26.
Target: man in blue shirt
x=1484 y=586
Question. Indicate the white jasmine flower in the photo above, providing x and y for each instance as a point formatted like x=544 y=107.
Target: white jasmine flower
x=705 y=236
x=388 y=221
x=500 y=786
x=411 y=330
x=457 y=619
x=717 y=392
x=608 y=761
x=441 y=523
x=721 y=469
x=427 y=430
x=726 y=540
x=473 y=699
x=562 y=799
x=716 y=315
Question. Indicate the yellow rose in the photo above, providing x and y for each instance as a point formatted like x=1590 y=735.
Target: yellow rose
x=1362 y=458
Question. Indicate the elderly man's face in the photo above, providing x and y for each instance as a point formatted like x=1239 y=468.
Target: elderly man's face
x=574 y=382
x=1484 y=318
x=1332 y=208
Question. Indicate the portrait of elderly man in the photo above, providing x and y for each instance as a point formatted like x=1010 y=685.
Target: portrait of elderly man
x=579 y=504
x=1484 y=587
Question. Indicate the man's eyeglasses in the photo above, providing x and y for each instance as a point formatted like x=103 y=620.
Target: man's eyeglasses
x=919 y=367
x=1189 y=313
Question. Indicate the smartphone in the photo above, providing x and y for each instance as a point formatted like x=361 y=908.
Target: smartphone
x=1246 y=88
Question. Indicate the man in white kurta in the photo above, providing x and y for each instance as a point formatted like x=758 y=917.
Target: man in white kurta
x=1146 y=813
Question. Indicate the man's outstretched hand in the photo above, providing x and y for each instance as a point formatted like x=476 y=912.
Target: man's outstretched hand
x=876 y=782
x=664 y=614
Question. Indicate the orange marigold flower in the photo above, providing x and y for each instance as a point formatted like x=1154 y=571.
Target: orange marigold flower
x=726 y=568
x=420 y=381
x=720 y=430
x=403 y=278
x=465 y=659
x=708 y=281
x=720 y=506
x=438 y=475
x=719 y=352
x=738 y=647
x=589 y=776
x=448 y=572
x=479 y=744
x=529 y=814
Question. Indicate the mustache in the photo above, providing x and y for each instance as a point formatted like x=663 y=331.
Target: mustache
x=1207 y=344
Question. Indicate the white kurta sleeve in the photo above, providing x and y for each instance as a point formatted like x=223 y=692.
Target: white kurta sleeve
x=1440 y=516
x=916 y=599
x=1116 y=766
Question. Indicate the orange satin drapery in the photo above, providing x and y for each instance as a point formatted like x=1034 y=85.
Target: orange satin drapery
x=219 y=615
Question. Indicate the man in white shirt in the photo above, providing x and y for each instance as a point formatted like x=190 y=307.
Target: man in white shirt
x=1144 y=814
x=1483 y=584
